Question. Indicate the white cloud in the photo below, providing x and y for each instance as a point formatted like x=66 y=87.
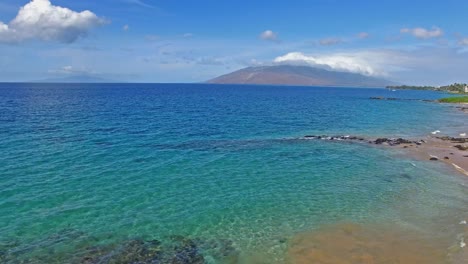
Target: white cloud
x=413 y=66
x=126 y=28
x=363 y=35
x=269 y=35
x=187 y=35
x=367 y=63
x=463 y=42
x=423 y=33
x=41 y=20
x=330 y=41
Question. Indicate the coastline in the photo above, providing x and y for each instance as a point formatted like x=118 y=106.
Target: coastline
x=353 y=242
x=443 y=149
x=439 y=150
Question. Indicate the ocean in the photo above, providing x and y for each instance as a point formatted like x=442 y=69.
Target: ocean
x=196 y=173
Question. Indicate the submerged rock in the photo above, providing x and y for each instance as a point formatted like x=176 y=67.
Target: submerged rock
x=188 y=254
x=171 y=250
x=132 y=251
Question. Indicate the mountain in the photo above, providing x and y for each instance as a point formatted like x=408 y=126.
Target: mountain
x=298 y=75
x=75 y=79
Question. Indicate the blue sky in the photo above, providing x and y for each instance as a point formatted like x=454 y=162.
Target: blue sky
x=413 y=42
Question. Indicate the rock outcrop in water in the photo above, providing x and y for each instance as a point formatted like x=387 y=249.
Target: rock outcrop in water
x=461 y=147
x=378 y=141
x=454 y=139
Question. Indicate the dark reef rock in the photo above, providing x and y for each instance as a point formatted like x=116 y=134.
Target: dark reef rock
x=461 y=147
x=454 y=139
x=394 y=142
x=132 y=251
x=433 y=158
x=378 y=141
x=381 y=141
x=171 y=250
x=187 y=253
x=176 y=250
x=337 y=138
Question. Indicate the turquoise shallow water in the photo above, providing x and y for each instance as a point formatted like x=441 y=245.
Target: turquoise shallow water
x=86 y=165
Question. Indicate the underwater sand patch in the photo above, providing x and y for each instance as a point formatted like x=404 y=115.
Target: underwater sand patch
x=352 y=243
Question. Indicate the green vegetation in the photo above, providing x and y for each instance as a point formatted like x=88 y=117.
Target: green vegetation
x=453 y=88
x=461 y=99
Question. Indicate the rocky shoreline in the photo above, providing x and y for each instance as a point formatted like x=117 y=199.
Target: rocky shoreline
x=451 y=150
x=378 y=141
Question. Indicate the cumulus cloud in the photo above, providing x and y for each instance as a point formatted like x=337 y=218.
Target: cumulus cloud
x=269 y=35
x=423 y=33
x=437 y=65
x=41 y=20
x=126 y=28
x=363 y=63
x=330 y=41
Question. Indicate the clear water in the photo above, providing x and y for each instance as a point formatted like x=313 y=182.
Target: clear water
x=87 y=164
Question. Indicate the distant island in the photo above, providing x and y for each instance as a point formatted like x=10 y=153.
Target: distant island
x=75 y=79
x=300 y=76
x=453 y=88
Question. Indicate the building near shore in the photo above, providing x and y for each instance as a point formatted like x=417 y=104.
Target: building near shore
x=465 y=89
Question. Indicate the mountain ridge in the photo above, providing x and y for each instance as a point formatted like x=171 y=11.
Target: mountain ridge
x=298 y=75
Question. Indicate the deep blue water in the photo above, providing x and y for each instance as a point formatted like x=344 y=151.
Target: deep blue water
x=98 y=164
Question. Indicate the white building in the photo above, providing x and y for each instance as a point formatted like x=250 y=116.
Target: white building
x=466 y=89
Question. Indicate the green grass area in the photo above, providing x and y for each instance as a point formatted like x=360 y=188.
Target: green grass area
x=461 y=99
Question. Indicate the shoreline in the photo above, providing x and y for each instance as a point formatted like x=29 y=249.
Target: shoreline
x=357 y=243
x=440 y=150
x=451 y=151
